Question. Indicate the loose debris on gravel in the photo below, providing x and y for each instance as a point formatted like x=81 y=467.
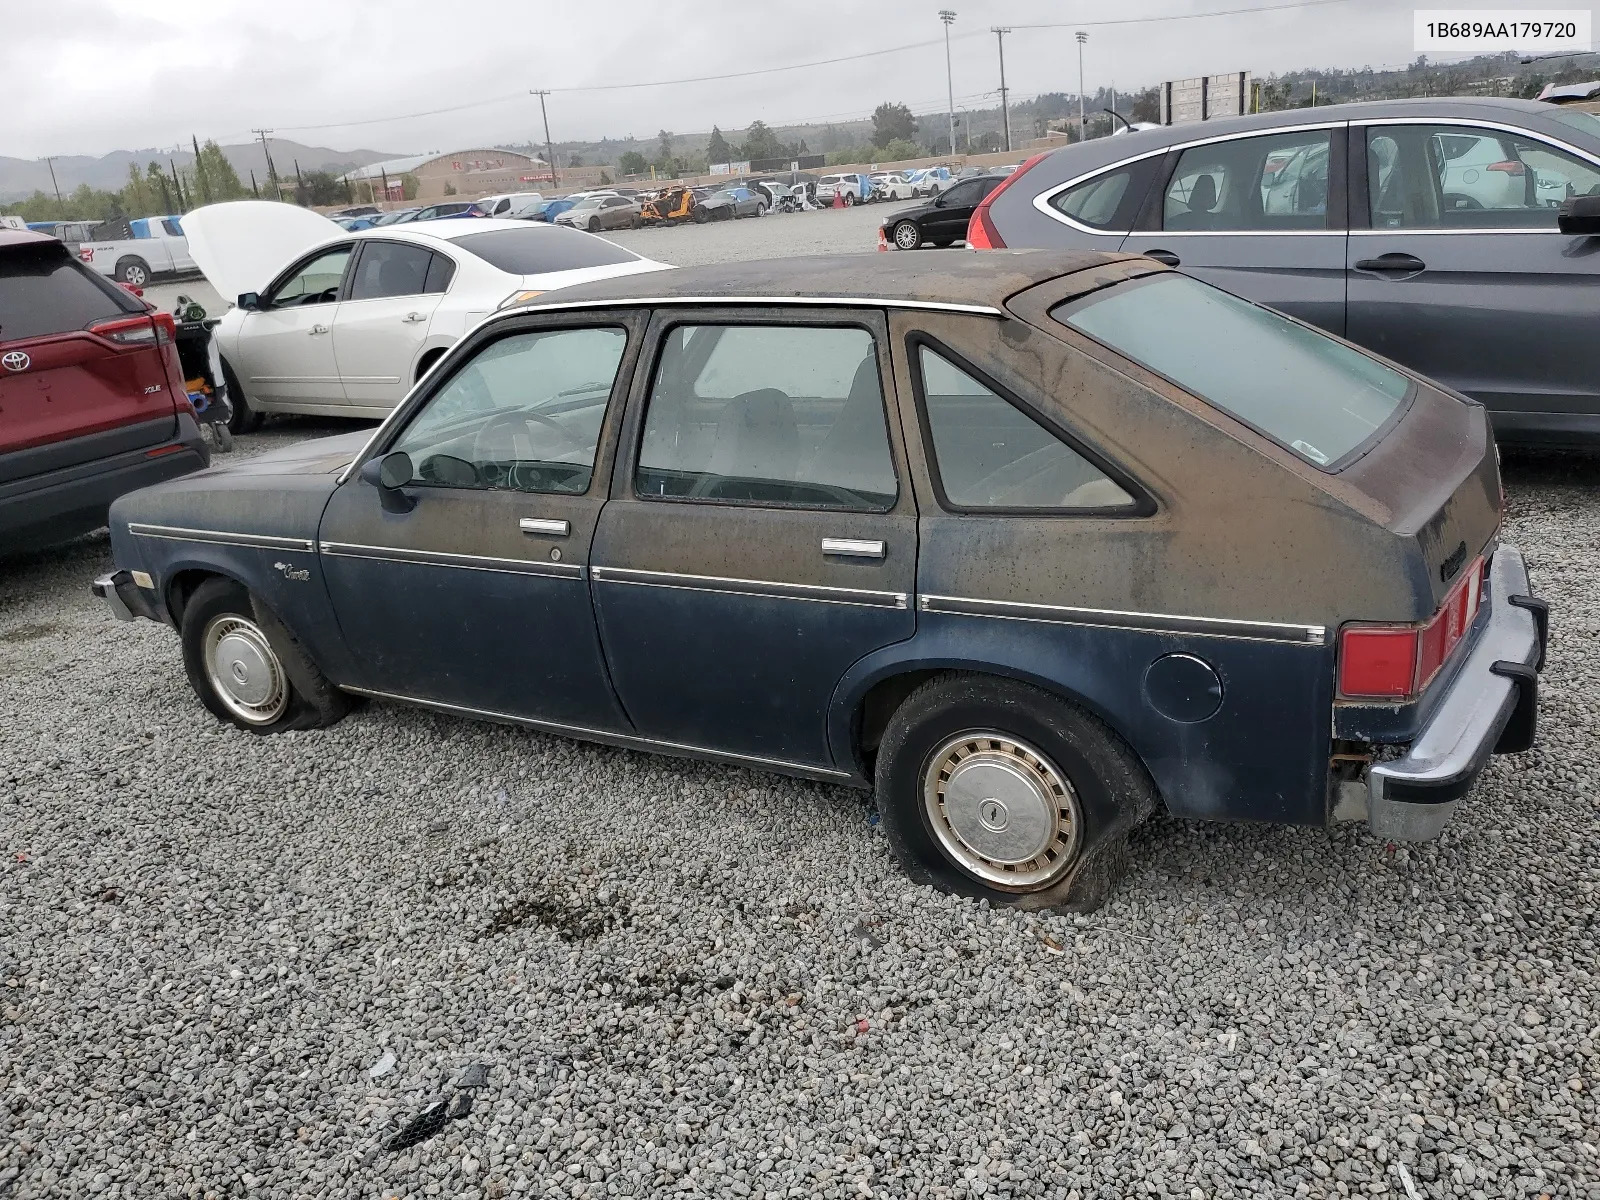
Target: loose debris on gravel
x=698 y=980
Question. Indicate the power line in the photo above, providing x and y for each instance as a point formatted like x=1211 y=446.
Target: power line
x=1221 y=12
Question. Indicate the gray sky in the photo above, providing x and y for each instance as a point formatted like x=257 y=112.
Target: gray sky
x=89 y=76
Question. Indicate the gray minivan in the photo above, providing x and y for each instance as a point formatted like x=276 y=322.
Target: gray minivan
x=1426 y=230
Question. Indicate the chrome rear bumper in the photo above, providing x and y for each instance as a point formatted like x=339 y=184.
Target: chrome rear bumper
x=1490 y=708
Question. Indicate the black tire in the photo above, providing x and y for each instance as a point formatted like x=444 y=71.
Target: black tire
x=242 y=418
x=594 y=224
x=1112 y=790
x=133 y=271
x=761 y=210
x=701 y=216
x=907 y=235
x=849 y=199
x=298 y=696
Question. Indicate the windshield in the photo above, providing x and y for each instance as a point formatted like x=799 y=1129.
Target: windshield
x=1315 y=396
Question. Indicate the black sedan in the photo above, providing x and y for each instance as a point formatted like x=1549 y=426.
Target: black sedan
x=941 y=220
x=1455 y=235
x=1035 y=545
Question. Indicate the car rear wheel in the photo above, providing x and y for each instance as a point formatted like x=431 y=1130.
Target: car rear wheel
x=907 y=236
x=248 y=669
x=133 y=271
x=1003 y=792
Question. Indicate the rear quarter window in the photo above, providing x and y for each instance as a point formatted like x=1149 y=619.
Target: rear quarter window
x=541 y=248
x=1313 y=395
x=43 y=290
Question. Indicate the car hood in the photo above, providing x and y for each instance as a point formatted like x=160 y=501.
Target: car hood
x=239 y=246
x=916 y=212
x=321 y=456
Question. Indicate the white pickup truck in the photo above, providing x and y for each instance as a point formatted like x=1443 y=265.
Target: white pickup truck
x=152 y=246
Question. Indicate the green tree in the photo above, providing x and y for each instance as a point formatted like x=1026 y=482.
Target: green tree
x=717 y=149
x=892 y=121
x=1146 y=106
x=574 y=160
x=220 y=176
x=761 y=142
x=319 y=187
x=898 y=150
x=632 y=163
x=410 y=185
x=664 y=146
x=449 y=189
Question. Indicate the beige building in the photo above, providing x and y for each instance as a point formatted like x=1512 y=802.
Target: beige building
x=468 y=174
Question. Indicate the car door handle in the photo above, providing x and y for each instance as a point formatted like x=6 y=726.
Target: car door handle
x=545 y=525
x=1163 y=256
x=316 y=329
x=1392 y=262
x=413 y=318
x=852 y=547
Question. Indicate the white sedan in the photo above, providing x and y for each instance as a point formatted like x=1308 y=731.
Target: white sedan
x=335 y=323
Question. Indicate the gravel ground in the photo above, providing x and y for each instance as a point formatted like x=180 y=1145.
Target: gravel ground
x=239 y=966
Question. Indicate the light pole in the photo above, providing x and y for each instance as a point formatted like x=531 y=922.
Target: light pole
x=549 y=151
x=948 y=17
x=1083 y=124
x=1000 y=32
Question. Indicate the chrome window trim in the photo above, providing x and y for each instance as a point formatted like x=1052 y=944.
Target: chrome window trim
x=625 y=740
x=1013 y=610
x=766 y=588
x=979 y=310
x=440 y=558
x=220 y=537
x=1434 y=232
x=1042 y=201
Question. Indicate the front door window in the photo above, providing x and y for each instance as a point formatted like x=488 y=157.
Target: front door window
x=317 y=282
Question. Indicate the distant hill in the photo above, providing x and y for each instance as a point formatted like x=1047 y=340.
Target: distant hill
x=21 y=177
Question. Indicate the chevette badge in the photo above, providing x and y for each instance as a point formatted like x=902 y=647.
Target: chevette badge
x=291 y=572
x=16 y=360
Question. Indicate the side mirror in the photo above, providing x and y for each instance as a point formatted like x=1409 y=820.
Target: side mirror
x=1580 y=215
x=389 y=474
x=250 y=301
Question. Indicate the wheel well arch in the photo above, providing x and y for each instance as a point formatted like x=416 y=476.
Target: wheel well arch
x=875 y=706
x=182 y=586
x=426 y=360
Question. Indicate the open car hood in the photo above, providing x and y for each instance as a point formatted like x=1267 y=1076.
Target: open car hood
x=241 y=245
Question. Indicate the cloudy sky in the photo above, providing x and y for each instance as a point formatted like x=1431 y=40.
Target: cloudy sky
x=89 y=76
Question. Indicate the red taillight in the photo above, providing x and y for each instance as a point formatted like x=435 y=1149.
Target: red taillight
x=166 y=328
x=131 y=331
x=1509 y=167
x=981 y=231
x=86 y=253
x=1396 y=662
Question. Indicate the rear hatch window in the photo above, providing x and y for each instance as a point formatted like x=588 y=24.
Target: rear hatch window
x=1315 y=396
x=43 y=291
x=542 y=248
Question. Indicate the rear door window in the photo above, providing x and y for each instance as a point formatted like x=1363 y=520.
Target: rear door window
x=43 y=291
x=1267 y=183
x=767 y=414
x=1313 y=395
x=541 y=248
x=390 y=269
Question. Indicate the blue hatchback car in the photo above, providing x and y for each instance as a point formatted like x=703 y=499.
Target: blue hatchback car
x=1034 y=547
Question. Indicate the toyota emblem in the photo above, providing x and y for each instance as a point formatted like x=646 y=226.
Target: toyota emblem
x=15 y=361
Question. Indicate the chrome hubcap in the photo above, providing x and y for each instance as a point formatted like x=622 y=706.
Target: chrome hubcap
x=907 y=237
x=243 y=671
x=1002 y=811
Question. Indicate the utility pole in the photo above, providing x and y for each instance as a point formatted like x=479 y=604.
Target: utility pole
x=50 y=162
x=549 y=150
x=272 y=172
x=299 y=184
x=254 y=190
x=948 y=17
x=1083 y=123
x=1000 y=32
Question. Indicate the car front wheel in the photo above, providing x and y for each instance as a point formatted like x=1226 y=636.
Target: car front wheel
x=907 y=236
x=594 y=224
x=248 y=669
x=1001 y=791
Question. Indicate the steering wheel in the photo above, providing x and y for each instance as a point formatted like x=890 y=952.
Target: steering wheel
x=512 y=419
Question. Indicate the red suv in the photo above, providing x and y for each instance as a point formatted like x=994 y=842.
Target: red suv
x=92 y=399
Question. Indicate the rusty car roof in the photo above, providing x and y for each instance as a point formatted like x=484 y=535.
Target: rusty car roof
x=981 y=280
